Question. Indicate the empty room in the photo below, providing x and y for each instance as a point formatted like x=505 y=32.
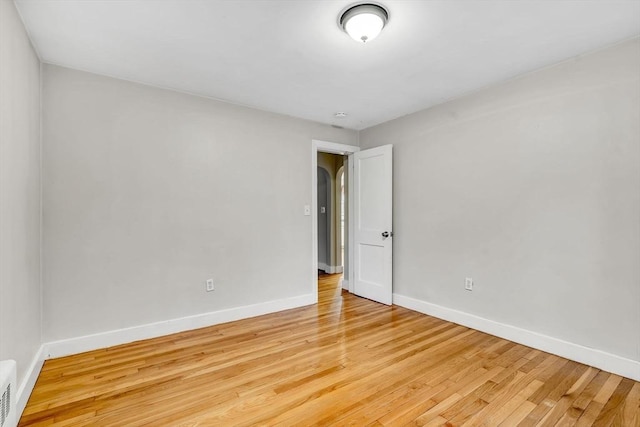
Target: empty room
x=319 y=212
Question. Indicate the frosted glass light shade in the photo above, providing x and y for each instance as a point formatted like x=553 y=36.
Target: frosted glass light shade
x=364 y=22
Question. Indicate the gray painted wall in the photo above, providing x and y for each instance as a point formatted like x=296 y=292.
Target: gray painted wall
x=531 y=188
x=149 y=192
x=20 y=319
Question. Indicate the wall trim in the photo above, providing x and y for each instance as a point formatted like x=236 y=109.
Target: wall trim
x=111 y=338
x=29 y=380
x=344 y=284
x=589 y=356
x=330 y=269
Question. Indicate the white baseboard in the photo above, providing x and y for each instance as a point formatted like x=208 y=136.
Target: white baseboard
x=152 y=330
x=330 y=269
x=344 y=283
x=589 y=356
x=29 y=380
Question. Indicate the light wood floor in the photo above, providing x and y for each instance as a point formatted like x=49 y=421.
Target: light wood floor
x=346 y=361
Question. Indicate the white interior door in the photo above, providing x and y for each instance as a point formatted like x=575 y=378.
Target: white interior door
x=373 y=203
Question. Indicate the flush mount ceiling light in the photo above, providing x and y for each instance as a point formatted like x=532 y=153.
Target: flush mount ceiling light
x=364 y=21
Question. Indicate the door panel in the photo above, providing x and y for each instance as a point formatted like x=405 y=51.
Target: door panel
x=373 y=198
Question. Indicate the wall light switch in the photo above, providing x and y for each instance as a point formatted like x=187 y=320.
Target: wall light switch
x=468 y=284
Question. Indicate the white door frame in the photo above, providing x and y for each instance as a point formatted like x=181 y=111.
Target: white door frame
x=333 y=148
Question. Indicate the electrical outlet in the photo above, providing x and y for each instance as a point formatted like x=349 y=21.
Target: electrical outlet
x=468 y=283
x=210 y=285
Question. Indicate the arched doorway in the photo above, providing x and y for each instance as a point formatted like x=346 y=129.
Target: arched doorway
x=324 y=220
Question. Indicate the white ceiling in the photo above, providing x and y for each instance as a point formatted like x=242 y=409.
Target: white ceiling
x=290 y=56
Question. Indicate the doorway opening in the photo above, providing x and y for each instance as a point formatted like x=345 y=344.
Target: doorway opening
x=368 y=261
x=330 y=211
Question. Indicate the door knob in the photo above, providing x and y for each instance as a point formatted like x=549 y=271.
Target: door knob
x=386 y=234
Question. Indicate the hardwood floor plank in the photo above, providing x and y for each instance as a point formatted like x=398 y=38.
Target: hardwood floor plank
x=590 y=391
x=631 y=411
x=519 y=414
x=615 y=403
x=563 y=405
x=410 y=410
x=344 y=361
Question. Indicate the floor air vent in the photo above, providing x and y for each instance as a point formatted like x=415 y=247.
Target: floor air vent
x=7 y=393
